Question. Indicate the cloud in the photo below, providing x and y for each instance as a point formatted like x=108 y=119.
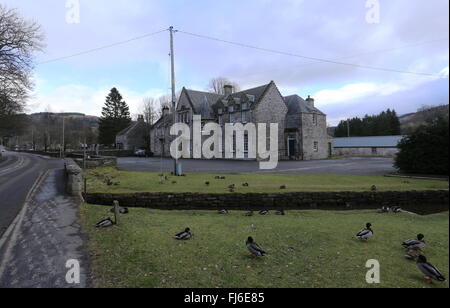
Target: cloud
x=88 y=100
x=322 y=29
x=359 y=91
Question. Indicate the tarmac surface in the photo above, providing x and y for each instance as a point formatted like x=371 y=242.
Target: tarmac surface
x=346 y=166
x=45 y=233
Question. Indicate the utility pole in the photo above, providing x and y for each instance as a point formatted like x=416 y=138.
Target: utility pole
x=174 y=99
x=63 y=133
x=85 y=143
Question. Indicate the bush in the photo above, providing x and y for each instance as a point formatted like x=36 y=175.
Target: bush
x=426 y=150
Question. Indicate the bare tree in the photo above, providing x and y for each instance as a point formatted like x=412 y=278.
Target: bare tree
x=19 y=39
x=166 y=101
x=150 y=110
x=216 y=85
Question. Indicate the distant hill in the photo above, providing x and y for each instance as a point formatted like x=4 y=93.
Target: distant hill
x=409 y=122
x=92 y=121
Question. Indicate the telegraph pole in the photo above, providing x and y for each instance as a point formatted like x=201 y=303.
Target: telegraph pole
x=63 y=135
x=174 y=99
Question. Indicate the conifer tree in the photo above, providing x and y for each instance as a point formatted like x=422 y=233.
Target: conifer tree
x=115 y=118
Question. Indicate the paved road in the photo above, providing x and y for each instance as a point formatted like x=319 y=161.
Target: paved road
x=40 y=225
x=18 y=173
x=350 y=166
x=45 y=236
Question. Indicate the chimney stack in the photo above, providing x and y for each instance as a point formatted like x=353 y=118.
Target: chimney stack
x=310 y=101
x=165 y=111
x=140 y=118
x=227 y=89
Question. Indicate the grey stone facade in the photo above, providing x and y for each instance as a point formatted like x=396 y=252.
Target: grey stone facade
x=302 y=128
x=134 y=136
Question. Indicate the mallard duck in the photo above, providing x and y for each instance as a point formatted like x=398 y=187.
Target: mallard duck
x=366 y=233
x=254 y=248
x=373 y=188
x=283 y=187
x=280 y=213
x=223 y=212
x=207 y=183
x=415 y=244
x=232 y=186
x=245 y=185
x=431 y=272
x=105 y=223
x=264 y=212
x=249 y=214
x=396 y=209
x=385 y=209
x=185 y=235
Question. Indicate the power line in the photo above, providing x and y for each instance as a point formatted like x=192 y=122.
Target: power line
x=308 y=57
x=385 y=50
x=102 y=47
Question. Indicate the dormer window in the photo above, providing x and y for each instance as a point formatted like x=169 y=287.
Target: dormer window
x=231 y=109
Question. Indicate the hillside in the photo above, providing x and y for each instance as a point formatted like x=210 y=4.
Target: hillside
x=409 y=122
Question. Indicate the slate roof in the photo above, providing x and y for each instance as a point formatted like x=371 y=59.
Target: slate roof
x=296 y=104
x=128 y=128
x=203 y=102
x=367 y=142
x=168 y=120
x=134 y=125
x=206 y=103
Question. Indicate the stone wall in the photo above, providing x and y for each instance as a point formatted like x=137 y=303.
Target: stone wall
x=95 y=162
x=74 y=177
x=422 y=202
x=391 y=152
x=312 y=133
x=272 y=109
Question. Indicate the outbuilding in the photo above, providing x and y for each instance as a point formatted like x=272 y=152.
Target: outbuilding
x=367 y=146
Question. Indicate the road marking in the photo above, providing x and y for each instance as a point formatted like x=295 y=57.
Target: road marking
x=14 y=228
x=19 y=164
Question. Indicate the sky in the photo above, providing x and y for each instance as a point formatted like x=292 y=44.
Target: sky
x=406 y=35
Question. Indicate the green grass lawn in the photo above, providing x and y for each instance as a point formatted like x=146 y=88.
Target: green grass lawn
x=305 y=249
x=132 y=181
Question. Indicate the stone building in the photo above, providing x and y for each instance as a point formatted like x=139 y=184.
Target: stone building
x=135 y=136
x=302 y=128
x=367 y=146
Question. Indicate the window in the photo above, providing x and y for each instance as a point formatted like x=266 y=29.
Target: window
x=316 y=146
x=246 y=117
x=221 y=120
x=246 y=143
x=220 y=111
x=374 y=151
x=244 y=106
x=315 y=119
x=231 y=109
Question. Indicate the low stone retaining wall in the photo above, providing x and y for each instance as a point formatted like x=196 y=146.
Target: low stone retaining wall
x=421 y=202
x=74 y=177
x=94 y=162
